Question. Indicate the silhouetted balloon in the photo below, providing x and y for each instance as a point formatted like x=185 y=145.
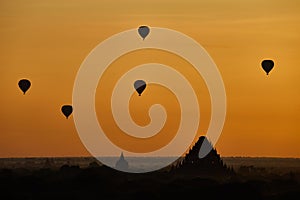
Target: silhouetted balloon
x=143 y=31
x=139 y=86
x=24 y=85
x=67 y=110
x=267 y=65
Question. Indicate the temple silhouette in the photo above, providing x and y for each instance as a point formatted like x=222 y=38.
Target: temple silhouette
x=122 y=164
x=210 y=166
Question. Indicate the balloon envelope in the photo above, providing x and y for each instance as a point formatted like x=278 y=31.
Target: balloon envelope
x=67 y=110
x=143 y=31
x=267 y=65
x=24 y=85
x=139 y=86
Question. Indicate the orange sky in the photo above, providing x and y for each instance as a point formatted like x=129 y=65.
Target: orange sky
x=46 y=42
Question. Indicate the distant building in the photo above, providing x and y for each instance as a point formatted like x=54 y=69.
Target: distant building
x=49 y=163
x=122 y=164
x=210 y=165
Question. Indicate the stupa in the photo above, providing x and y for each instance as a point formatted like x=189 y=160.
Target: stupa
x=122 y=164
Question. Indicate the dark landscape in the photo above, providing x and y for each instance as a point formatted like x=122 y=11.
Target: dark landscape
x=212 y=177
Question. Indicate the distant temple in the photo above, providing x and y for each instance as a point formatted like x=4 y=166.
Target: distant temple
x=49 y=163
x=122 y=164
x=211 y=164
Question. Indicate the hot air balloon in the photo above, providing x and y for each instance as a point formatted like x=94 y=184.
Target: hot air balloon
x=67 y=110
x=139 y=86
x=143 y=31
x=24 y=85
x=267 y=65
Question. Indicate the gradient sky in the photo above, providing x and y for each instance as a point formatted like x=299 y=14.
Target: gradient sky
x=46 y=42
